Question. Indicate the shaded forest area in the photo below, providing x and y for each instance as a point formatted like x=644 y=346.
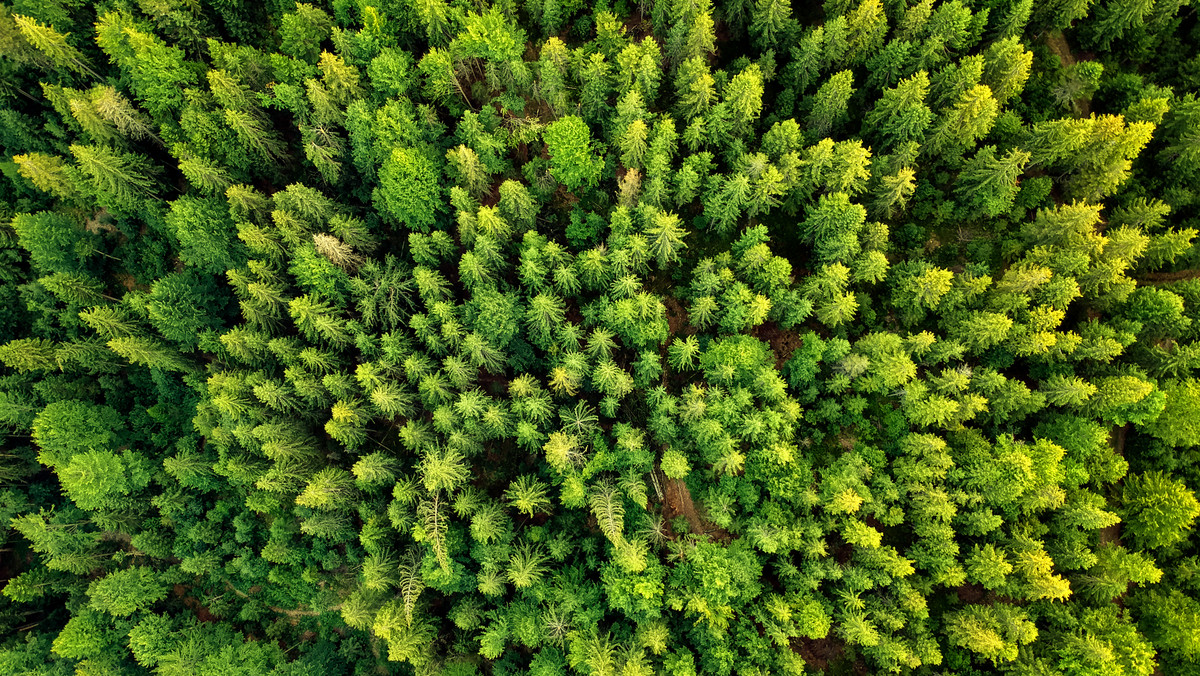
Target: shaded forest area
x=551 y=337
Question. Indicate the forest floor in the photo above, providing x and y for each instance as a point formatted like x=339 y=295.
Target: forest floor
x=1168 y=277
x=1117 y=439
x=1057 y=42
x=783 y=342
x=819 y=653
x=677 y=501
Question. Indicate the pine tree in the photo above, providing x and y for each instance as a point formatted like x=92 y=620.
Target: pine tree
x=666 y=238
x=569 y=142
x=124 y=592
x=970 y=117
x=29 y=354
x=52 y=45
x=695 y=88
x=833 y=225
x=48 y=173
x=993 y=632
x=469 y=172
x=302 y=31
x=770 y=21
x=892 y=192
x=830 y=104
x=149 y=352
x=900 y=115
x=119 y=179
x=330 y=488
x=989 y=183
x=1158 y=510
x=254 y=135
x=114 y=108
x=1007 y=68
x=744 y=96
x=866 y=26
x=208 y=177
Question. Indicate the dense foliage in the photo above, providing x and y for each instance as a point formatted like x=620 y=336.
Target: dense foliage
x=549 y=337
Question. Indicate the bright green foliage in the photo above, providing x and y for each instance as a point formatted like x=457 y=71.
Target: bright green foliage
x=118 y=180
x=830 y=104
x=694 y=88
x=303 y=30
x=409 y=189
x=744 y=96
x=126 y=591
x=29 y=354
x=46 y=172
x=52 y=44
x=901 y=115
x=99 y=478
x=572 y=159
x=989 y=183
x=54 y=242
x=966 y=121
x=740 y=337
x=1179 y=423
x=181 y=305
x=995 y=633
x=65 y=428
x=833 y=225
x=207 y=237
x=1159 y=510
x=770 y=21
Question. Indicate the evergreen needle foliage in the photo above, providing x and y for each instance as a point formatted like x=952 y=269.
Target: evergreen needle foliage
x=663 y=337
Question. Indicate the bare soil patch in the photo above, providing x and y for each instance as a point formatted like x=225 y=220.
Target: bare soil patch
x=677 y=501
x=783 y=342
x=821 y=652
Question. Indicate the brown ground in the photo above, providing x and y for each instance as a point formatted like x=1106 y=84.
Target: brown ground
x=971 y=593
x=819 y=653
x=193 y=604
x=677 y=501
x=100 y=223
x=1167 y=277
x=677 y=317
x=1057 y=42
x=783 y=342
x=1117 y=439
x=127 y=280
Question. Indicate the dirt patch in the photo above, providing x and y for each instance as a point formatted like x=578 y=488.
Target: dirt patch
x=193 y=604
x=1111 y=534
x=841 y=551
x=1057 y=42
x=783 y=342
x=1116 y=438
x=130 y=283
x=100 y=223
x=492 y=197
x=677 y=501
x=1167 y=277
x=819 y=653
x=971 y=593
x=677 y=317
x=639 y=29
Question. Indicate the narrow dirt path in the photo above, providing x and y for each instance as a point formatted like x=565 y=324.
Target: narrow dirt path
x=677 y=501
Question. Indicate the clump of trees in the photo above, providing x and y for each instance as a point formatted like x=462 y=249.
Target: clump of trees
x=545 y=337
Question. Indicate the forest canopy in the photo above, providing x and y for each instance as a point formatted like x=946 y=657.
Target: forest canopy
x=683 y=337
